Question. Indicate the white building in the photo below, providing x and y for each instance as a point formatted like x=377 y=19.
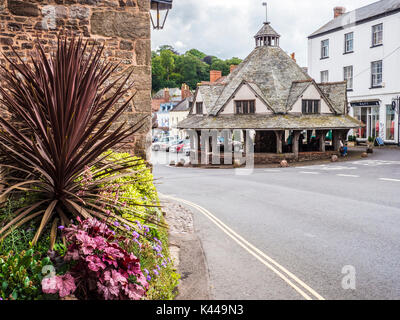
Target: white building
x=363 y=47
x=178 y=114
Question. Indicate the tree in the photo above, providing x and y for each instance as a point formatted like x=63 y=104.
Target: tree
x=221 y=65
x=167 y=47
x=170 y=69
x=198 y=54
x=167 y=61
x=233 y=61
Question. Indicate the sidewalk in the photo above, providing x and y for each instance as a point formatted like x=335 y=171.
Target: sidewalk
x=187 y=253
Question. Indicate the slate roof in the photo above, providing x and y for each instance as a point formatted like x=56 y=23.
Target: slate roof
x=210 y=94
x=266 y=30
x=359 y=15
x=271 y=69
x=184 y=105
x=336 y=92
x=297 y=89
x=173 y=92
x=270 y=122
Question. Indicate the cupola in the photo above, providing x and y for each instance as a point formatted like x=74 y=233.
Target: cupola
x=267 y=36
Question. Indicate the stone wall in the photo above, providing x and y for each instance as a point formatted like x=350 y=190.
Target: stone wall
x=122 y=25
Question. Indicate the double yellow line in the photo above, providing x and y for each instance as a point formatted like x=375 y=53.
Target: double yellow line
x=302 y=288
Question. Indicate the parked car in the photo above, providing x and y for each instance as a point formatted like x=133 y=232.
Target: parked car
x=161 y=145
x=176 y=146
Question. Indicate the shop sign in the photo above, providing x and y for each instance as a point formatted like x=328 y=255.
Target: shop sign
x=365 y=103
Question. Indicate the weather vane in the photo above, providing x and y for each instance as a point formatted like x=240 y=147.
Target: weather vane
x=266 y=12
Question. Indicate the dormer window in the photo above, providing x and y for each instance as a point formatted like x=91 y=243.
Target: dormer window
x=245 y=106
x=311 y=106
x=199 y=107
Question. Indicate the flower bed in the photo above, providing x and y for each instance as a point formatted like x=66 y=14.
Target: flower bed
x=92 y=259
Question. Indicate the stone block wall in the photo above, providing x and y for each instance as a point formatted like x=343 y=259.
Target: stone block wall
x=123 y=26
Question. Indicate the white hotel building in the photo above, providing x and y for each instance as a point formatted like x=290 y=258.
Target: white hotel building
x=363 y=47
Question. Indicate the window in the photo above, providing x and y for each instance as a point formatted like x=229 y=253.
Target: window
x=348 y=42
x=310 y=106
x=324 y=49
x=348 y=75
x=245 y=107
x=199 y=107
x=377 y=35
x=376 y=74
x=390 y=117
x=325 y=76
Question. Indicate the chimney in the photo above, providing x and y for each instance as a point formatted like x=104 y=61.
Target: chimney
x=293 y=56
x=185 y=91
x=338 y=11
x=233 y=67
x=215 y=75
x=166 y=95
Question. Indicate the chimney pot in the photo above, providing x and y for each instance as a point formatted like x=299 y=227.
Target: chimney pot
x=185 y=91
x=215 y=75
x=293 y=56
x=166 y=95
x=338 y=11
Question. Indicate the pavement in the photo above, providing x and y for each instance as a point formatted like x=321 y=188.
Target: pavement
x=325 y=231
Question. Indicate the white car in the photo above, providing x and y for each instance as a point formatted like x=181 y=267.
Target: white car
x=161 y=145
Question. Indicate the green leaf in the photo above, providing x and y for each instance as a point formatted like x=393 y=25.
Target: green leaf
x=26 y=282
x=4 y=285
x=14 y=294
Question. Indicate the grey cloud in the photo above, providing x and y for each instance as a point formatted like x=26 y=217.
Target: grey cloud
x=225 y=28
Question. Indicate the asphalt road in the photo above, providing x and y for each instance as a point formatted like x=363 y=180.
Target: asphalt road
x=315 y=221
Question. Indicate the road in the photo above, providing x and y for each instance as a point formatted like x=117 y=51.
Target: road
x=324 y=224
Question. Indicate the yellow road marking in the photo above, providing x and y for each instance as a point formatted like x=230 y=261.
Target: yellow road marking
x=302 y=288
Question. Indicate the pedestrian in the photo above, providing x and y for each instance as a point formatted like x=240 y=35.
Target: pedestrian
x=343 y=149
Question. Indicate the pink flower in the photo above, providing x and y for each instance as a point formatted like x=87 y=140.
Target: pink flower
x=95 y=263
x=63 y=285
x=49 y=285
x=66 y=285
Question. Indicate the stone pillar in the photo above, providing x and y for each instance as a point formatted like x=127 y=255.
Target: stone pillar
x=296 y=136
x=279 y=139
x=321 y=134
x=337 y=136
x=122 y=26
x=198 y=146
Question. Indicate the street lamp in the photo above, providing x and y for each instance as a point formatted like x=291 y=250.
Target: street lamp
x=159 y=7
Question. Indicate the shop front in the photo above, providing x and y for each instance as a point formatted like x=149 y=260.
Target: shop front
x=380 y=119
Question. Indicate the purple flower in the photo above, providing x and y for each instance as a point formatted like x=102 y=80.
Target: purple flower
x=145 y=270
x=160 y=255
x=116 y=223
x=157 y=266
x=127 y=227
x=155 y=272
x=61 y=227
x=140 y=245
x=135 y=235
x=148 y=278
x=146 y=229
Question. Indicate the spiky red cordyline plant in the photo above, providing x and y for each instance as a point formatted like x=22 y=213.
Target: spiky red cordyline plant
x=62 y=109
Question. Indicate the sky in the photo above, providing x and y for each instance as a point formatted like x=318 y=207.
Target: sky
x=226 y=28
